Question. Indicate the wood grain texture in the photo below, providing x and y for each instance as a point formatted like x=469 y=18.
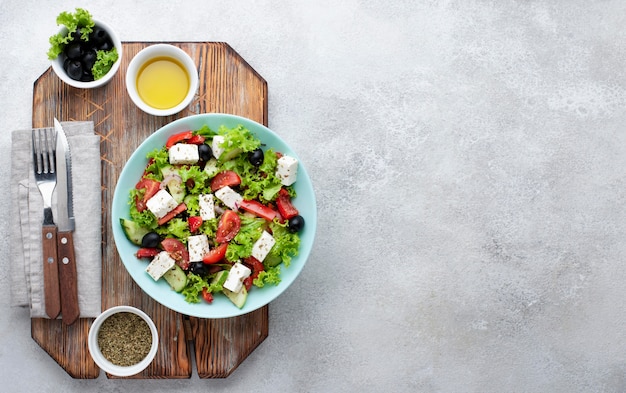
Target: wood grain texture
x=50 y=270
x=68 y=280
x=227 y=85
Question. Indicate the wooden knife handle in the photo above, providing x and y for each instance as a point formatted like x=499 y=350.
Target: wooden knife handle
x=51 y=292
x=68 y=281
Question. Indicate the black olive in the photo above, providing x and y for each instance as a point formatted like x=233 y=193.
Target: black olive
x=76 y=36
x=106 y=45
x=98 y=35
x=199 y=268
x=75 y=70
x=204 y=151
x=74 y=50
x=296 y=224
x=256 y=157
x=87 y=75
x=89 y=59
x=151 y=240
x=66 y=64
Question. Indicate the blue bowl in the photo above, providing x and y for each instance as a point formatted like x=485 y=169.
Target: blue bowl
x=160 y=290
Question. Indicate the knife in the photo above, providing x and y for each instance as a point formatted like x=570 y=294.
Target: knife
x=68 y=284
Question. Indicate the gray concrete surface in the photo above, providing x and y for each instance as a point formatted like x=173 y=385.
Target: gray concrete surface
x=469 y=162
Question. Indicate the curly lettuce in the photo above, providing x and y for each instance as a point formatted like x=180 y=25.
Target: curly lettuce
x=104 y=62
x=72 y=21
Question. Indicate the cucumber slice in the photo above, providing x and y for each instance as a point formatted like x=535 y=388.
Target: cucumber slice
x=238 y=298
x=133 y=231
x=176 y=277
x=175 y=188
x=220 y=277
x=211 y=167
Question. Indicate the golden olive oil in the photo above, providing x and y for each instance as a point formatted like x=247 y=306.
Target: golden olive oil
x=162 y=82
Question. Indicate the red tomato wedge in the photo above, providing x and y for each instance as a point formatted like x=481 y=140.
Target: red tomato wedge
x=177 y=250
x=216 y=254
x=176 y=138
x=225 y=178
x=194 y=223
x=196 y=140
x=151 y=187
x=207 y=296
x=259 y=209
x=177 y=210
x=228 y=227
x=147 y=252
x=283 y=202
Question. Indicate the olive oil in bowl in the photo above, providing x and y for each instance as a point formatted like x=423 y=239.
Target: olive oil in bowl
x=163 y=82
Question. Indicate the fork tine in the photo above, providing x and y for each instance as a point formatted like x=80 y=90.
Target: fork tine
x=50 y=151
x=44 y=151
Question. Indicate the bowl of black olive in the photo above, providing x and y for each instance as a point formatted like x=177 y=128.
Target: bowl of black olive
x=86 y=53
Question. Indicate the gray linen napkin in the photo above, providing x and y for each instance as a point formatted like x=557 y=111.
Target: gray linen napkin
x=27 y=217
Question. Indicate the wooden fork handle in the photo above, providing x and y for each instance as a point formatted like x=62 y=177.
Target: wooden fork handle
x=68 y=282
x=52 y=297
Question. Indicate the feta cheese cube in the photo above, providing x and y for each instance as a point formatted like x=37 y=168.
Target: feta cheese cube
x=161 y=203
x=236 y=275
x=198 y=247
x=263 y=245
x=207 y=206
x=160 y=265
x=230 y=197
x=184 y=153
x=215 y=146
x=287 y=170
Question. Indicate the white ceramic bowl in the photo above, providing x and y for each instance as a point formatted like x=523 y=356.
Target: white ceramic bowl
x=103 y=362
x=57 y=64
x=152 y=52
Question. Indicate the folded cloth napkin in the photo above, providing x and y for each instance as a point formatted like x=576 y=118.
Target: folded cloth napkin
x=27 y=217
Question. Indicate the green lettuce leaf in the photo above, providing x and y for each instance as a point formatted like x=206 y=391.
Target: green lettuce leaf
x=72 y=21
x=104 y=62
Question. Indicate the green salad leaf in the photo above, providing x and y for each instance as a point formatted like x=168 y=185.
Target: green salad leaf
x=104 y=62
x=72 y=21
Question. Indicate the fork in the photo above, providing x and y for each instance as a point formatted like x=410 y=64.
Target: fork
x=44 y=163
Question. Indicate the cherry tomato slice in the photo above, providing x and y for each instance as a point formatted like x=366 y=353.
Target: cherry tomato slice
x=177 y=251
x=228 y=227
x=194 y=223
x=151 y=187
x=216 y=254
x=225 y=178
x=147 y=252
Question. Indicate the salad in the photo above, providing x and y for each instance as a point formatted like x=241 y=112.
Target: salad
x=213 y=213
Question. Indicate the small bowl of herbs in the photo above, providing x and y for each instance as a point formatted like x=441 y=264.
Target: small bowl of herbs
x=123 y=341
x=85 y=53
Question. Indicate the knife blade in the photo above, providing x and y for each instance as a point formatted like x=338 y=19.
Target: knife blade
x=68 y=280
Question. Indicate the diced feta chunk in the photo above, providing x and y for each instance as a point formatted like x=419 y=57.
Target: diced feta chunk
x=160 y=265
x=184 y=153
x=236 y=275
x=198 y=247
x=215 y=146
x=287 y=170
x=161 y=203
x=207 y=207
x=230 y=197
x=262 y=246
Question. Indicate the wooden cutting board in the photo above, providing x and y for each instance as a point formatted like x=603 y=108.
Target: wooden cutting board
x=227 y=85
